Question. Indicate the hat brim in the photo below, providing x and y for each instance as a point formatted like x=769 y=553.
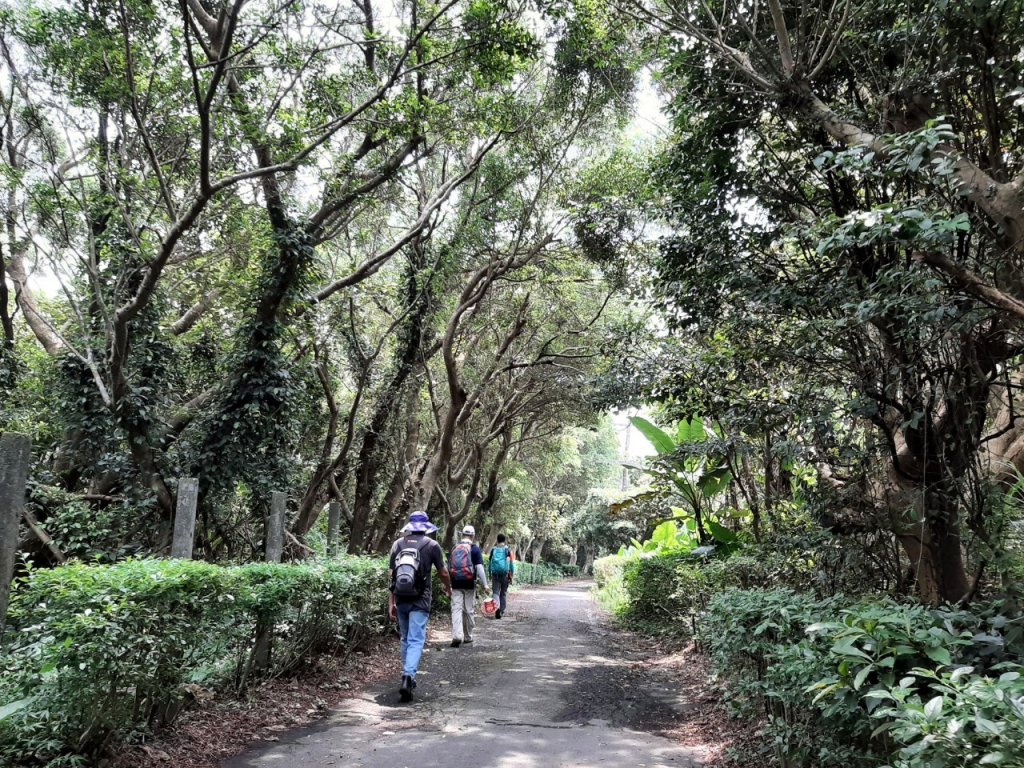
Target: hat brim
x=419 y=528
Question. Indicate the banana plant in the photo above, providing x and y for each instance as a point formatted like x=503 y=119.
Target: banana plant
x=696 y=478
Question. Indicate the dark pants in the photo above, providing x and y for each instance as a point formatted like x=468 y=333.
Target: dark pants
x=499 y=589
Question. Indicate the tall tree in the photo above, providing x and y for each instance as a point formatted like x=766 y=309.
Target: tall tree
x=841 y=208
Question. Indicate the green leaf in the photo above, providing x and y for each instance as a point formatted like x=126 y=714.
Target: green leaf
x=721 y=534
x=697 y=432
x=819 y=626
x=845 y=647
x=938 y=655
x=858 y=681
x=715 y=481
x=933 y=709
x=984 y=725
x=15 y=706
x=882 y=729
x=960 y=672
x=660 y=441
x=665 y=534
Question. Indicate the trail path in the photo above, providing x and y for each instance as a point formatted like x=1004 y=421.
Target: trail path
x=547 y=686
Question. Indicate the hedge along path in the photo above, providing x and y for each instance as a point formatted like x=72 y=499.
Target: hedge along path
x=545 y=686
x=95 y=653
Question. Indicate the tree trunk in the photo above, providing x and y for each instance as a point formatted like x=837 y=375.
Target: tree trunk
x=370 y=459
x=936 y=559
x=536 y=549
x=392 y=511
x=490 y=538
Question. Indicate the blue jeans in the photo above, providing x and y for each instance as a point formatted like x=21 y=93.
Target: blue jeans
x=499 y=589
x=412 y=628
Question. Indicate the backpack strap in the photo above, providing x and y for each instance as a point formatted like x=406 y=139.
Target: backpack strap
x=415 y=542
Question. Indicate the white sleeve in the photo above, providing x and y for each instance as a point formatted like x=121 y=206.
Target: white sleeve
x=482 y=576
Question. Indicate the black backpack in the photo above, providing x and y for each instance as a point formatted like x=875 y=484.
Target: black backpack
x=407 y=580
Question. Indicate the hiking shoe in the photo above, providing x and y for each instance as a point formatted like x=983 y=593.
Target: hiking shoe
x=497 y=614
x=405 y=692
x=456 y=643
x=468 y=640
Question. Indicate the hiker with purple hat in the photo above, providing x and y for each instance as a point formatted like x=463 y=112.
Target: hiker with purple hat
x=412 y=558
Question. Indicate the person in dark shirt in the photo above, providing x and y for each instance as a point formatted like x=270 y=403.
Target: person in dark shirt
x=412 y=559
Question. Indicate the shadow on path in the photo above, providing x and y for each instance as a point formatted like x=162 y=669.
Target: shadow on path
x=545 y=686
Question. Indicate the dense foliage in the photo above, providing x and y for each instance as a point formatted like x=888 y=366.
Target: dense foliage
x=408 y=256
x=96 y=654
x=241 y=247
x=873 y=681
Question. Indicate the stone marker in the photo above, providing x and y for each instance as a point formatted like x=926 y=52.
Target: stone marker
x=185 y=518
x=333 y=527
x=15 y=454
x=275 y=527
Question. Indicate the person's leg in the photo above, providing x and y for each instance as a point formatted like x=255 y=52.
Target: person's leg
x=417 y=636
x=504 y=593
x=468 y=619
x=403 y=631
x=458 y=597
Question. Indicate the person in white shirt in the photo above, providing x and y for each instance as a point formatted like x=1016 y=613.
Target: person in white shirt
x=466 y=567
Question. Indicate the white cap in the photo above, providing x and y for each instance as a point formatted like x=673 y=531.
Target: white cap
x=469 y=530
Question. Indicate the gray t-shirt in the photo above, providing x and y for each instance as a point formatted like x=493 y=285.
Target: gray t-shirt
x=431 y=557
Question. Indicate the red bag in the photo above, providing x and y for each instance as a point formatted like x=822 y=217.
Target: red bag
x=461 y=565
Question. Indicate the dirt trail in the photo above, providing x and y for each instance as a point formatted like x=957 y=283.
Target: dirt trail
x=545 y=686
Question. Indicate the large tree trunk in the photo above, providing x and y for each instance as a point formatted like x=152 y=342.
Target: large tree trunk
x=392 y=511
x=933 y=546
x=535 y=550
x=936 y=558
x=317 y=492
x=370 y=459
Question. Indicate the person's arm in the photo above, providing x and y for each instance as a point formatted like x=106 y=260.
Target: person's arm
x=511 y=565
x=392 y=610
x=478 y=567
x=481 y=577
x=442 y=571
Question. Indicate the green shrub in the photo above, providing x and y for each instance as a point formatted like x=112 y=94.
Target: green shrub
x=537 y=573
x=97 y=653
x=758 y=646
x=658 y=589
x=608 y=582
x=964 y=719
x=853 y=685
x=665 y=592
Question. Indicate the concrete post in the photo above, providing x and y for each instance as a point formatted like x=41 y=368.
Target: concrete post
x=275 y=527
x=185 y=518
x=333 y=527
x=15 y=455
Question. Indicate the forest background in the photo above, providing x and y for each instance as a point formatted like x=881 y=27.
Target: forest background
x=410 y=255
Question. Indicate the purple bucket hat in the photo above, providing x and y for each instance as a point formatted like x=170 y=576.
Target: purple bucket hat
x=419 y=523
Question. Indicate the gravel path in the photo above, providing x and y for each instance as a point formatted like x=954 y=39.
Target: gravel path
x=548 y=685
